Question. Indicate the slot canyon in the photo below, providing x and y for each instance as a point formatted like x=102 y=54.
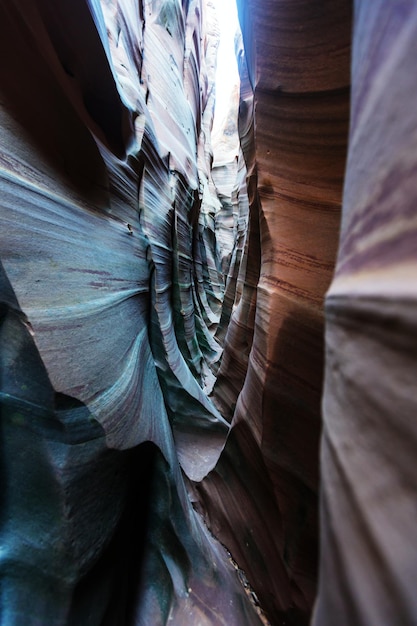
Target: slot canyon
x=208 y=345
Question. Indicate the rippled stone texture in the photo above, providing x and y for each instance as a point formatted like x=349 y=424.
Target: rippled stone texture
x=119 y=276
x=369 y=548
x=105 y=339
x=261 y=499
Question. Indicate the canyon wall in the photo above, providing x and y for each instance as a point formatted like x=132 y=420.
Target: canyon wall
x=164 y=323
x=262 y=497
x=368 y=532
x=110 y=287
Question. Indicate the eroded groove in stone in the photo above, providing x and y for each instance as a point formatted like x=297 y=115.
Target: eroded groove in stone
x=297 y=72
x=112 y=293
x=369 y=404
x=162 y=317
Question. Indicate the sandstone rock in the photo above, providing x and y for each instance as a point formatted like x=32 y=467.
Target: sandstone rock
x=261 y=499
x=162 y=315
x=105 y=125
x=368 y=536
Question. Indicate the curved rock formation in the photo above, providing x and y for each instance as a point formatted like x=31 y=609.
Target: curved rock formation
x=298 y=58
x=368 y=546
x=162 y=315
x=106 y=308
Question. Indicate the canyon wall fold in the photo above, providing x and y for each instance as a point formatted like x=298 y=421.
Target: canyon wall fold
x=368 y=536
x=110 y=287
x=183 y=333
x=262 y=497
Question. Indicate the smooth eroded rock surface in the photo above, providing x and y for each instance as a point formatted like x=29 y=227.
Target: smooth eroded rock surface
x=163 y=332
x=262 y=497
x=368 y=546
x=110 y=287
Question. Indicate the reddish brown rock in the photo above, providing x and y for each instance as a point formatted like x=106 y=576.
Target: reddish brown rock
x=368 y=532
x=124 y=256
x=261 y=499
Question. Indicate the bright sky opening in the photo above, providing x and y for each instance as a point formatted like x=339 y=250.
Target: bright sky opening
x=227 y=76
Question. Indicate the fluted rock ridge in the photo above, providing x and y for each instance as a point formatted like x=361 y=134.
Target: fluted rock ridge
x=111 y=291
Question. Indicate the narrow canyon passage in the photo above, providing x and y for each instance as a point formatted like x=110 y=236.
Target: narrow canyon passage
x=207 y=329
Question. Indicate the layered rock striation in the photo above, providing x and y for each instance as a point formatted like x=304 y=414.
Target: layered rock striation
x=296 y=78
x=110 y=288
x=368 y=546
x=164 y=323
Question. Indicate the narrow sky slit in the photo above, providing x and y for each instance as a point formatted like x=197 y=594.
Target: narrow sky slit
x=227 y=77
